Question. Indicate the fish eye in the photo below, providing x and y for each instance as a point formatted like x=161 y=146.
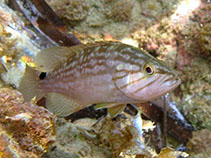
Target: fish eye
x=148 y=69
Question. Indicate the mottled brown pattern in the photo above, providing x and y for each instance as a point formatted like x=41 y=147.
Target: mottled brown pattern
x=25 y=128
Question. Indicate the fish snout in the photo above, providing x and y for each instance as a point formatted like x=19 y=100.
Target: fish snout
x=173 y=81
x=178 y=80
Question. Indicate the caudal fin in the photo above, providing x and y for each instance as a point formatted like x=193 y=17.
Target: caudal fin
x=29 y=84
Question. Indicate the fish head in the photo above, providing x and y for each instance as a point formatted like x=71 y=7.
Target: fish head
x=146 y=79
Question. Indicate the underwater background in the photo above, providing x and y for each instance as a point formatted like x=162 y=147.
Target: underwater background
x=175 y=31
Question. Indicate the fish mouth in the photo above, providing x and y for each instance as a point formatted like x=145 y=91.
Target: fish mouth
x=161 y=86
x=176 y=81
x=171 y=83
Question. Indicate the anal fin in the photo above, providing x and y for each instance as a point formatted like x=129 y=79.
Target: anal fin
x=61 y=105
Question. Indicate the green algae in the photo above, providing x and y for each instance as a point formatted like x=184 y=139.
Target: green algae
x=196 y=88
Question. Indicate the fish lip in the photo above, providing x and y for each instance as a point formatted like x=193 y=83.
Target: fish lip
x=177 y=82
x=172 y=82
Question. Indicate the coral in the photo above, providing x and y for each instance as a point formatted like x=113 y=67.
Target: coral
x=116 y=135
x=158 y=40
x=73 y=10
x=171 y=153
x=26 y=130
x=15 y=37
x=196 y=34
x=76 y=140
x=120 y=10
x=123 y=136
x=8 y=51
x=91 y=138
x=7 y=44
x=15 y=40
x=8 y=77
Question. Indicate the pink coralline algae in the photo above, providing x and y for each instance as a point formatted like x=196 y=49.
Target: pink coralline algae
x=26 y=130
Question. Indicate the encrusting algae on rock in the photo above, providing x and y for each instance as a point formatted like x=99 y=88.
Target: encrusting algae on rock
x=26 y=130
x=124 y=136
x=76 y=10
x=200 y=144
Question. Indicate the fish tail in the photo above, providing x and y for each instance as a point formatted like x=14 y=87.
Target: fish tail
x=29 y=85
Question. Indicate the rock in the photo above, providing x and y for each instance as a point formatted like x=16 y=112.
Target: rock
x=26 y=130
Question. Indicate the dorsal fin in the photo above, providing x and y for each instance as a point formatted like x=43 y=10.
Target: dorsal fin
x=47 y=59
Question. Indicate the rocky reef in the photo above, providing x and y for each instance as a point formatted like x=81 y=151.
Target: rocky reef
x=175 y=31
x=26 y=130
x=199 y=146
x=205 y=38
x=71 y=10
x=119 y=10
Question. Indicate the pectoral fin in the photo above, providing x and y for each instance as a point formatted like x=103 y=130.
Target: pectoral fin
x=115 y=110
x=61 y=105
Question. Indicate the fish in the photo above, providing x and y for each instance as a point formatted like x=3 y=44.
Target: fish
x=109 y=74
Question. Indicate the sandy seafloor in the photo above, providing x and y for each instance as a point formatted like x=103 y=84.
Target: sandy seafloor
x=176 y=31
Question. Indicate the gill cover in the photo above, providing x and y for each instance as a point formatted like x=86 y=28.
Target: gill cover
x=135 y=81
x=124 y=77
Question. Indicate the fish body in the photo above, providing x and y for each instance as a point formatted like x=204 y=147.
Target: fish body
x=102 y=72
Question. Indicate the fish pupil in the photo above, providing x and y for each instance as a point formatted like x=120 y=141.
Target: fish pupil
x=42 y=75
x=148 y=70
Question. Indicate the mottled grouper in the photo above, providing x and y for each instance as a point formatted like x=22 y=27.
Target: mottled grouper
x=110 y=74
